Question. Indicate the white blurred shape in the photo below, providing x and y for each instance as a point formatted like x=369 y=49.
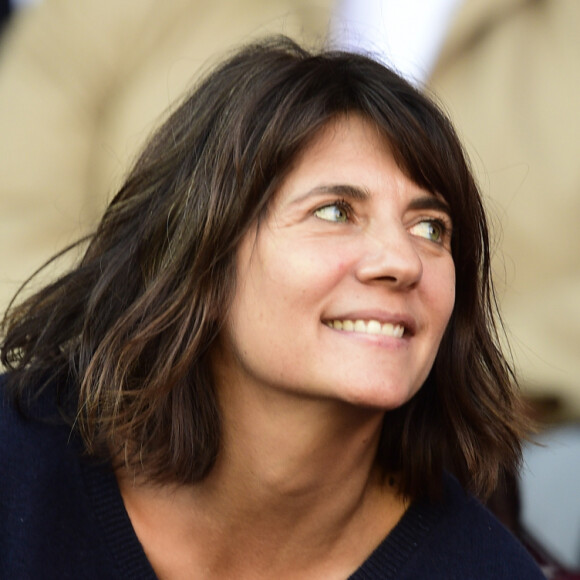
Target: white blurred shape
x=404 y=34
x=550 y=493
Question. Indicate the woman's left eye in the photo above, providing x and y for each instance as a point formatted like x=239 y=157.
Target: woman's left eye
x=334 y=212
x=433 y=230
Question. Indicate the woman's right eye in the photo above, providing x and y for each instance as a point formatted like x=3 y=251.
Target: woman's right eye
x=333 y=212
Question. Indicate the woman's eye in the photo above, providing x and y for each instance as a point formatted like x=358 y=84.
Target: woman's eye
x=432 y=230
x=335 y=212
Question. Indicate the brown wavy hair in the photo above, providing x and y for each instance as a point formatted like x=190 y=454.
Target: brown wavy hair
x=122 y=339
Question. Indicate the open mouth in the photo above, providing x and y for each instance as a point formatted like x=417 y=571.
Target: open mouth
x=368 y=327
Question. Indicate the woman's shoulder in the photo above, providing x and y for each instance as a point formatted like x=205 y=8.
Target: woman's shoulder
x=60 y=511
x=30 y=426
x=456 y=538
x=36 y=485
x=475 y=542
x=38 y=451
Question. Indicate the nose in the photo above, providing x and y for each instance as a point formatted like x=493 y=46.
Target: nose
x=392 y=258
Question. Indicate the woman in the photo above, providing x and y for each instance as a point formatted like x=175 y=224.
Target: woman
x=278 y=344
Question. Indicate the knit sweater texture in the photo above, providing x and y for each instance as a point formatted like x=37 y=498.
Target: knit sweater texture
x=62 y=517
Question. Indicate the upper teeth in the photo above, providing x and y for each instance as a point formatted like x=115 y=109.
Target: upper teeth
x=368 y=327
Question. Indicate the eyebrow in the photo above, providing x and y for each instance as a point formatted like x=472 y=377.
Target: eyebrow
x=433 y=201
x=430 y=201
x=344 y=190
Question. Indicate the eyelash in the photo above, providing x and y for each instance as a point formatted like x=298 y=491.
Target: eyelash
x=345 y=206
x=442 y=229
x=340 y=204
x=439 y=223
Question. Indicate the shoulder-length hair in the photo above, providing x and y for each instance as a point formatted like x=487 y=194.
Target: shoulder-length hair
x=125 y=335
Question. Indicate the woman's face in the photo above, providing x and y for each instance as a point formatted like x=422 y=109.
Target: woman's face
x=345 y=289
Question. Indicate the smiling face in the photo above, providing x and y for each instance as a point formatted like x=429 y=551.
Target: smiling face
x=346 y=287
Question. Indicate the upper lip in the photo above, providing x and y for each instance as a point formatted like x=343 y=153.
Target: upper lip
x=405 y=320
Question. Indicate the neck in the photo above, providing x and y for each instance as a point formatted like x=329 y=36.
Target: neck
x=294 y=484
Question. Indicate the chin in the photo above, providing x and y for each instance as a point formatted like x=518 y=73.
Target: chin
x=381 y=398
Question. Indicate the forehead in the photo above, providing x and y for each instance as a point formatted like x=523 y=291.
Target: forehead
x=348 y=150
x=341 y=130
x=341 y=143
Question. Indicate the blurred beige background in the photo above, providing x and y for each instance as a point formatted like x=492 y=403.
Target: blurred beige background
x=83 y=83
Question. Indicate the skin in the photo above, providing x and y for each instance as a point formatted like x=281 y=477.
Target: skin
x=309 y=263
x=295 y=492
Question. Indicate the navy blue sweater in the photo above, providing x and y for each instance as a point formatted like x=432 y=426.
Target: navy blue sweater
x=62 y=516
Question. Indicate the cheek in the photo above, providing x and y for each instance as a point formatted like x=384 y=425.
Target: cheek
x=441 y=293
x=305 y=271
x=448 y=310
x=448 y=290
